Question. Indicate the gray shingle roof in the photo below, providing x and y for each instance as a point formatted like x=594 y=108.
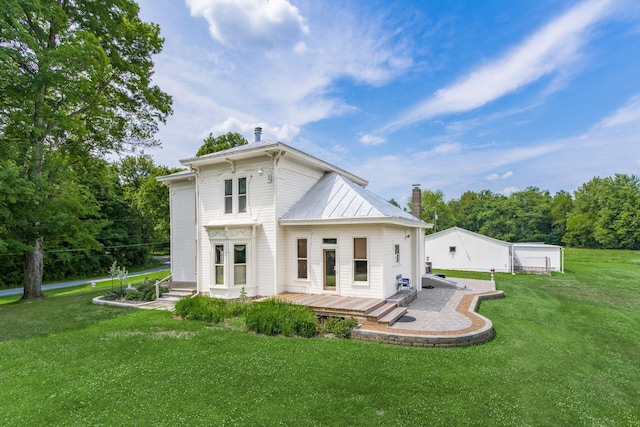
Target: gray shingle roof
x=334 y=197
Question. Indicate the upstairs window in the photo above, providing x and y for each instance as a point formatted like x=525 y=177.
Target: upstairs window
x=228 y=196
x=235 y=195
x=242 y=194
x=360 y=262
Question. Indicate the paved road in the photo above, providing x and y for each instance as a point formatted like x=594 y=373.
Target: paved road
x=15 y=291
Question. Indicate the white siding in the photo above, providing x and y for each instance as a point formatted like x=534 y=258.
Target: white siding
x=381 y=269
x=183 y=232
x=472 y=251
x=538 y=257
x=259 y=208
x=293 y=182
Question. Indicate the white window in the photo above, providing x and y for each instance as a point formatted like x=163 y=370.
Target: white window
x=396 y=254
x=228 y=196
x=302 y=258
x=235 y=195
x=242 y=194
x=360 y=262
x=239 y=264
x=218 y=253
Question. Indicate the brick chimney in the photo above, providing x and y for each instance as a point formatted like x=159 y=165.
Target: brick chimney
x=258 y=133
x=416 y=201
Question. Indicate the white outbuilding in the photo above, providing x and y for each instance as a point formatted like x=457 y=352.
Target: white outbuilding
x=460 y=249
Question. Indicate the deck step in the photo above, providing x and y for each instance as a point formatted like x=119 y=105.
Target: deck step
x=380 y=311
x=391 y=317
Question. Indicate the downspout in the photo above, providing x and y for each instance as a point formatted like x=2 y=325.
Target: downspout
x=199 y=285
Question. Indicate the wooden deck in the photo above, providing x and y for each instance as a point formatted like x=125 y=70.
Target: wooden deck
x=365 y=309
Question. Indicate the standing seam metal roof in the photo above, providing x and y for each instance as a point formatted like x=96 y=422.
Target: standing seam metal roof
x=336 y=197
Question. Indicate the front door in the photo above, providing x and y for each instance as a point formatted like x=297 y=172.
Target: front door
x=330 y=269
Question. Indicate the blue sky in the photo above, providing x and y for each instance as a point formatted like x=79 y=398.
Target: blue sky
x=455 y=95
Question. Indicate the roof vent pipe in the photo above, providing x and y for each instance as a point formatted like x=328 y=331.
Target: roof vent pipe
x=416 y=201
x=258 y=132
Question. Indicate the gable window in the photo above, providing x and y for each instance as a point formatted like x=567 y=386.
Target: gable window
x=396 y=254
x=228 y=196
x=242 y=194
x=360 y=263
x=452 y=249
x=219 y=264
x=302 y=259
x=239 y=264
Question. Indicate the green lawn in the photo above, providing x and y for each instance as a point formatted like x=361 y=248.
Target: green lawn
x=566 y=353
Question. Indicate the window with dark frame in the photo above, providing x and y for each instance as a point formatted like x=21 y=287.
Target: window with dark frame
x=302 y=259
x=396 y=254
x=360 y=262
x=452 y=249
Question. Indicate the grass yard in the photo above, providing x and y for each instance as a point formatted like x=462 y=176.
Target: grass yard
x=566 y=353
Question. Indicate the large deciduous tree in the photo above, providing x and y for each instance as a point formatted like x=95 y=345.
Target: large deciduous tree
x=75 y=79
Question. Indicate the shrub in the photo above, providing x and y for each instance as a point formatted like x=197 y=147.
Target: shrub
x=133 y=295
x=337 y=326
x=116 y=294
x=139 y=293
x=277 y=317
x=202 y=308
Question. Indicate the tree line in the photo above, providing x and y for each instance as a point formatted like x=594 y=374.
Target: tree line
x=76 y=85
x=117 y=212
x=603 y=213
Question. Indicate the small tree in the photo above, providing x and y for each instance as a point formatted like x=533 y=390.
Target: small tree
x=117 y=271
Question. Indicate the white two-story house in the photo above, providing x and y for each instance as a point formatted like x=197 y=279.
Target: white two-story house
x=268 y=218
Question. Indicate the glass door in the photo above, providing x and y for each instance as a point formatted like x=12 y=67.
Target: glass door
x=329 y=269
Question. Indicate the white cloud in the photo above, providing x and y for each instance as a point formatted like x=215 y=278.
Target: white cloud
x=628 y=113
x=495 y=176
x=258 y=77
x=372 y=140
x=448 y=148
x=240 y=23
x=284 y=133
x=550 y=50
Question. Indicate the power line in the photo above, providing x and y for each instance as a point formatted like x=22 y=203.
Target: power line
x=92 y=249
